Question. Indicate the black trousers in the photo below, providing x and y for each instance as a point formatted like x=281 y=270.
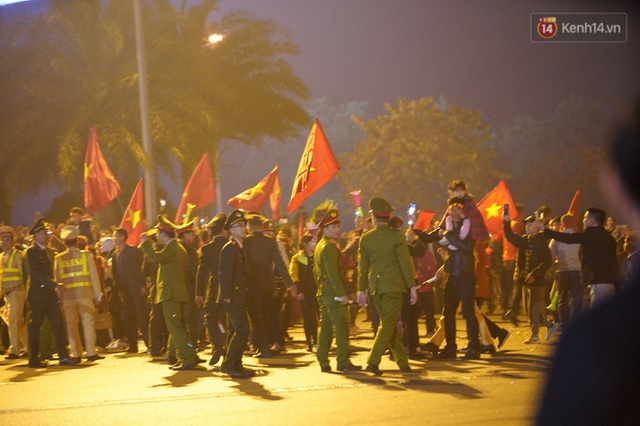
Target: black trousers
x=260 y=307
x=136 y=317
x=50 y=309
x=460 y=289
x=213 y=317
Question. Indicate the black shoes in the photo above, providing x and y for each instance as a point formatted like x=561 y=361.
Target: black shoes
x=487 y=349
x=70 y=361
x=94 y=357
x=472 y=353
x=431 y=347
x=373 y=369
x=349 y=367
x=37 y=364
x=263 y=354
x=216 y=357
x=171 y=360
x=325 y=368
x=446 y=353
x=231 y=371
x=12 y=356
x=405 y=369
x=182 y=366
x=503 y=335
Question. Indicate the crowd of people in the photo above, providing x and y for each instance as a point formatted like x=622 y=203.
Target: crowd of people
x=230 y=286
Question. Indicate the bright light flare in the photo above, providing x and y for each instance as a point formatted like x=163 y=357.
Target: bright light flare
x=214 y=38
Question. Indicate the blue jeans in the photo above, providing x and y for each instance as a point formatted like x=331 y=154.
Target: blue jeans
x=569 y=284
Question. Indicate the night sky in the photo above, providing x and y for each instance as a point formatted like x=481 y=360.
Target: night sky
x=476 y=54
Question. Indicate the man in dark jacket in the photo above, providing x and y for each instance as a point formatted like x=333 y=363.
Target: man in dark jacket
x=533 y=261
x=263 y=258
x=207 y=285
x=461 y=281
x=233 y=277
x=42 y=297
x=597 y=254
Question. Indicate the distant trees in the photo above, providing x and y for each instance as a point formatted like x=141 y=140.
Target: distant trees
x=550 y=158
x=73 y=66
x=411 y=153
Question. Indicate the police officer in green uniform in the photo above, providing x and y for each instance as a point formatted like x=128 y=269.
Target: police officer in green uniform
x=385 y=267
x=172 y=289
x=334 y=315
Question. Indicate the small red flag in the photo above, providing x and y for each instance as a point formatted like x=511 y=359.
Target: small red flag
x=275 y=199
x=492 y=205
x=256 y=197
x=133 y=219
x=317 y=166
x=200 y=189
x=424 y=219
x=100 y=186
x=574 y=209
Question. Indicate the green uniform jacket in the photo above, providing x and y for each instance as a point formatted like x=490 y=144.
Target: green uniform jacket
x=172 y=271
x=384 y=262
x=328 y=270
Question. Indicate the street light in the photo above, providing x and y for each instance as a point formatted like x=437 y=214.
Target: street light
x=212 y=40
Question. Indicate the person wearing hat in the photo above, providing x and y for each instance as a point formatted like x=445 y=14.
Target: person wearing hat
x=131 y=288
x=13 y=277
x=265 y=261
x=79 y=288
x=187 y=235
x=172 y=290
x=76 y=217
x=334 y=315
x=42 y=297
x=386 y=270
x=207 y=285
x=232 y=294
x=534 y=259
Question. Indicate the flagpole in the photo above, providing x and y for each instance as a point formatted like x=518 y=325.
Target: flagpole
x=343 y=181
x=150 y=188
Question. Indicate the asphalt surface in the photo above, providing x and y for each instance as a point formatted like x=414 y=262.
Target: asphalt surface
x=135 y=389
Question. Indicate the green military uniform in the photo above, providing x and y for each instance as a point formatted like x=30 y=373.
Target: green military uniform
x=172 y=293
x=334 y=317
x=386 y=269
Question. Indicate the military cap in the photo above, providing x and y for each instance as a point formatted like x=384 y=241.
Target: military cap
x=69 y=232
x=253 y=216
x=166 y=225
x=7 y=231
x=234 y=217
x=267 y=225
x=185 y=227
x=39 y=225
x=217 y=222
x=380 y=207
x=329 y=218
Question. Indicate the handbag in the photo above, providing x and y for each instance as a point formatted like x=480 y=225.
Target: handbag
x=104 y=320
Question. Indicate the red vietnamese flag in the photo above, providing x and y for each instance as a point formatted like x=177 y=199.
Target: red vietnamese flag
x=574 y=209
x=492 y=205
x=317 y=166
x=256 y=197
x=423 y=222
x=200 y=189
x=275 y=199
x=100 y=186
x=133 y=219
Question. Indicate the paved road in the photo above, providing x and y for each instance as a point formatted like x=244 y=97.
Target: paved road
x=133 y=389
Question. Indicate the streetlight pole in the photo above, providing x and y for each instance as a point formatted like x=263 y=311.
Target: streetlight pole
x=212 y=40
x=150 y=185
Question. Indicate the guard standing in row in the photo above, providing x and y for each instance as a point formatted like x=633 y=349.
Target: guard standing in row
x=385 y=269
x=334 y=314
x=172 y=290
x=42 y=297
